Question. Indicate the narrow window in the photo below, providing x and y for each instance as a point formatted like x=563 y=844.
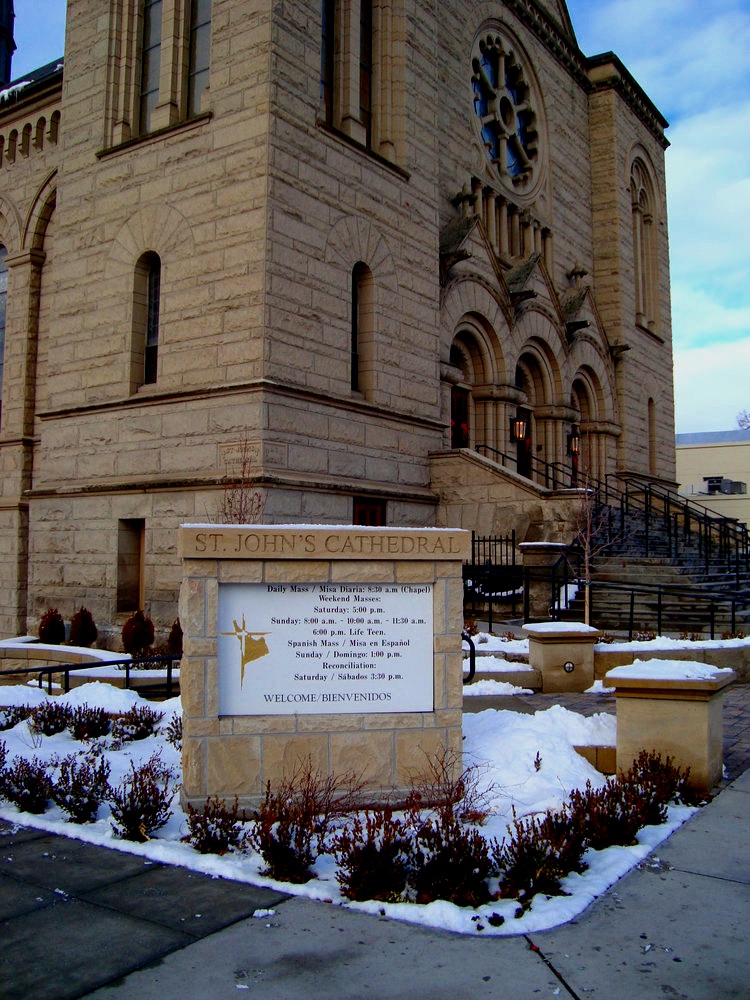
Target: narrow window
x=365 y=69
x=200 y=53
x=152 y=319
x=362 y=335
x=3 y=304
x=150 y=62
x=327 y=50
x=644 y=247
x=652 y=454
x=131 y=535
x=146 y=306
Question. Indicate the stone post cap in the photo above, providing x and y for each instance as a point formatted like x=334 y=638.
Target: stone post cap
x=669 y=675
x=562 y=631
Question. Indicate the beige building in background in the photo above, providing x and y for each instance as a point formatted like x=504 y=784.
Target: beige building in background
x=352 y=241
x=713 y=469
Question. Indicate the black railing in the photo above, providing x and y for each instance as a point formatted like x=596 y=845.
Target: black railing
x=492 y=578
x=562 y=580
x=690 y=529
x=653 y=606
x=495 y=550
x=129 y=666
x=550 y=475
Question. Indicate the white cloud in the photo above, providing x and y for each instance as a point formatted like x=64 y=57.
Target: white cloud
x=712 y=386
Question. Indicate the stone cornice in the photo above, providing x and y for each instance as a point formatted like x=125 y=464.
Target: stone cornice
x=547 y=31
x=590 y=72
x=607 y=72
x=263 y=385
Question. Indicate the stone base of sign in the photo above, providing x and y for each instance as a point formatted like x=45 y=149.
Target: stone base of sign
x=680 y=718
x=237 y=754
x=563 y=653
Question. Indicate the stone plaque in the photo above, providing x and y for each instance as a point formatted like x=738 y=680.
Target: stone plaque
x=294 y=648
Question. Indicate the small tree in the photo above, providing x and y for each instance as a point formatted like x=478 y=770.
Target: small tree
x=138 y=634
x=52 y=627
x=241 y=502
x=83 y=631
x=592 y=536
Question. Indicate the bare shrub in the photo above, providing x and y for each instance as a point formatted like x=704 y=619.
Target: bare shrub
x=375 y=856
x=28 y=784
x=11 y=716
x=82 y=784
x=50 y=717
x=138 y=723
x=241 y=501
x=215 y=829
x=290 y=827
x=142 y=803
x=173 y=731
x=87 y=723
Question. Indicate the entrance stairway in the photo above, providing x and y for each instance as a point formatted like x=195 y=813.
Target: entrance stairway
x=664 y=564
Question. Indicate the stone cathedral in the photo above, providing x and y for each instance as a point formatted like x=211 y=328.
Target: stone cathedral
x=398 y=263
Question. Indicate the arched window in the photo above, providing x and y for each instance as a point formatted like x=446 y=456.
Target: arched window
x=146 y=305
x=644 y=246
x=3 y=303
x=362 y=336
x=150 y=62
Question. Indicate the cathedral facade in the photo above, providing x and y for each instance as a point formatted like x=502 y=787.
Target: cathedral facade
x=397 y=263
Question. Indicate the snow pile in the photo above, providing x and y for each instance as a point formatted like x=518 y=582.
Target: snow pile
x=668 y=670
x=526 y=764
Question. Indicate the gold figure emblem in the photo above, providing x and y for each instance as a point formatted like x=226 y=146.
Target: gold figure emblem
x=252 y=645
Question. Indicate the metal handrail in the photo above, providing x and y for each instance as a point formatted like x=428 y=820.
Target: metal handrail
x=715 y=601
x=66 y=669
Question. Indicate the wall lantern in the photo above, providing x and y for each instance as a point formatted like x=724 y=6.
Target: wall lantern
x=574 y=442
x=517 y=428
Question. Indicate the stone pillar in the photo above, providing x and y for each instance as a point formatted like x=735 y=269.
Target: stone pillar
x=563 y=653
x=674 y=708
x=539 y=559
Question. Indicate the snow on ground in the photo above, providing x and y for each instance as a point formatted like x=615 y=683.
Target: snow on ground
x=495 y=688
x=525 y=762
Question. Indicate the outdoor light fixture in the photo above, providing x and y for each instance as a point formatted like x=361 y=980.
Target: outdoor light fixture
x=517 y=428
x=574 y=442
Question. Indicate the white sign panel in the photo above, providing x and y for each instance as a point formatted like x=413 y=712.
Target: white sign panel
x=325 y=648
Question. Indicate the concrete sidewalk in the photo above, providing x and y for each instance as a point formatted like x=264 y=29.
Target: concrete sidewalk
x=82 y=921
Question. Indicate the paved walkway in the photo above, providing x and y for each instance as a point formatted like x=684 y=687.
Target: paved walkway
x=82 y=921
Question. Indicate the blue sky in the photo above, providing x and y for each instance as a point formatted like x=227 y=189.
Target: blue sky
x=691 y=58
